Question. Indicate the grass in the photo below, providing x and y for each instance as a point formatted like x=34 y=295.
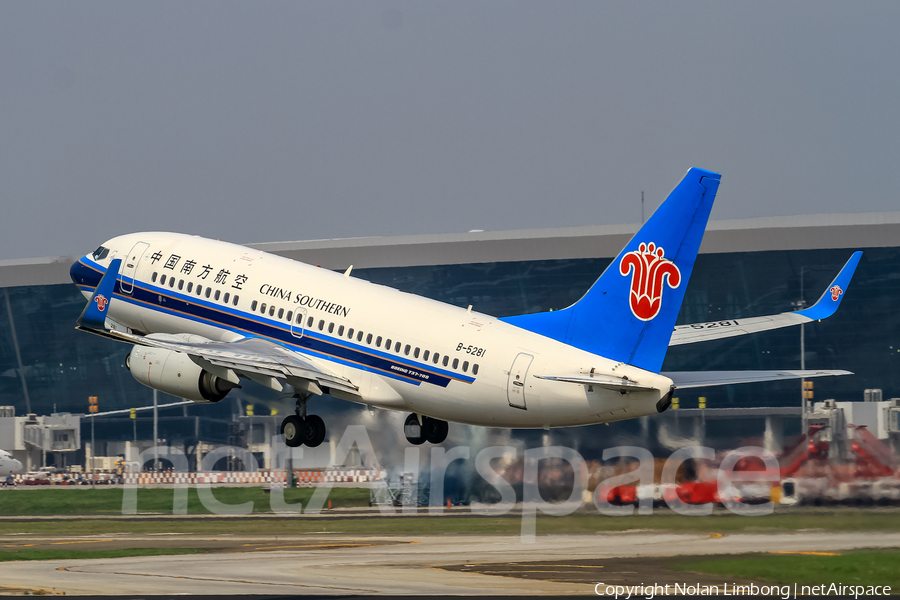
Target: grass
x=69 y=554
x=452 y=523
x=867 y=568
x=108 y=501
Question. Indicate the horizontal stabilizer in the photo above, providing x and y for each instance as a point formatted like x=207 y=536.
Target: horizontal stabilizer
x=825 y=307
x=695 y=379
x=610 y=383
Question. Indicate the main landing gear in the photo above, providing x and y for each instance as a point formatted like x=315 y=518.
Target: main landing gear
x=431 y=430
x=299 y=429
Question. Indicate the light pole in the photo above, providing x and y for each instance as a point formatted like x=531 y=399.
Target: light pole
x=155 y=434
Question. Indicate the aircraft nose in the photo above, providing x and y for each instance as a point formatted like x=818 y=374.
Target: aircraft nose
x=17 y=466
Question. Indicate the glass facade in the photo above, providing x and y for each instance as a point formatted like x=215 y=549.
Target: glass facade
x=62 y=366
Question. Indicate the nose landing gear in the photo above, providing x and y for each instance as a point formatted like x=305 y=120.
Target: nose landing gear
x=431 y=430
x=299 y=429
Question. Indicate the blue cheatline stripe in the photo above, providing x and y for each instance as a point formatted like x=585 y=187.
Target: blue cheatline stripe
x=328 y=347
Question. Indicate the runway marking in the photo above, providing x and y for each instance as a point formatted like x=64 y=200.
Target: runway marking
x=74 y=569
x=345 y=544
x=805 y=552
x=82 y=542
x=715 y=536
x=566 y=566
x=17 y=545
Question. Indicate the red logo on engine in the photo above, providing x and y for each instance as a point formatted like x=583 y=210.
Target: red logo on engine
x=648 y=269
x=836 y=292
x=101 y=302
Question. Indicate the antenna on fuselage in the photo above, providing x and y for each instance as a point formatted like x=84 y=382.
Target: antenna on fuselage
x=347 y=272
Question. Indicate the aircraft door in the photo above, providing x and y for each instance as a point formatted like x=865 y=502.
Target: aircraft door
x=298 y=323
x=515 y=389
x=130 y=266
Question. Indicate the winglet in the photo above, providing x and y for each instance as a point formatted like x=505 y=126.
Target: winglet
x=828 y=303
x=94 y=314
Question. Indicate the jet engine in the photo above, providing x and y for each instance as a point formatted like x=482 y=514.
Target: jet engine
x=176 y=374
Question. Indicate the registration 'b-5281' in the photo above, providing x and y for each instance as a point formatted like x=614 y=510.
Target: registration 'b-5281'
x=204 y=315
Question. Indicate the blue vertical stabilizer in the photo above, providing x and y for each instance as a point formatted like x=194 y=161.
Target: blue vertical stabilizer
x=630 y=311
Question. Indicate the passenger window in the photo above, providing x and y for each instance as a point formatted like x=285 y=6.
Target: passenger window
x=217 y=295
x=378 y=341
x=199 y=289
x=359 y=336
x=446 y=359
x=208 y=290
x=162 y=280
x=190 y=286
x=475 y=369
x=280 y=313
x=321 y=324
x=369 y=339
x=262 y=308
x=341 y=331
x=171 y=282
x=272 y=311
x=425 y=356
x=465 y=366
x=350 y=333
x=406 y=350
x=153 y=278
x=416 y=353
x=235 y=300
x=290 y=316
x=397 y=347
x=181 y=284
x=299 y=318
x=387 y=345
x=253 y=305
x=309 y=323
x=436 y=358
x=455 y=363
x=226 y=297
x=331 y=328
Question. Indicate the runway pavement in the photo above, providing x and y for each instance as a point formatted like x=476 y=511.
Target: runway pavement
x=369 y=564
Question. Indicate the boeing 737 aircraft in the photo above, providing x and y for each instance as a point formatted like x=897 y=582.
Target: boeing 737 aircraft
x=204 y=315
x=8 y=465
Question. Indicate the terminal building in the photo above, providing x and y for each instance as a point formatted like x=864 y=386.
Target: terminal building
x=746 y=268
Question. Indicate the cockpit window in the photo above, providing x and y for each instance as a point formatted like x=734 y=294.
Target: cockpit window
x=100 y=253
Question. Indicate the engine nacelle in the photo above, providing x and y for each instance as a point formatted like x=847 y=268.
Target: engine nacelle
x=176 y=374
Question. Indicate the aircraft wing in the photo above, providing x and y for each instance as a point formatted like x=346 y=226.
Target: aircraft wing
x=254 y=358
x=826 y=306
x=257 y=359
x=695 y=379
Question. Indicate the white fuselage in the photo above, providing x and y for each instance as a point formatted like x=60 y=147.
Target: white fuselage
x=408 y=380
x=8 y=465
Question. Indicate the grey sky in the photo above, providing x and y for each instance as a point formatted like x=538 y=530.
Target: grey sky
x=264 y=121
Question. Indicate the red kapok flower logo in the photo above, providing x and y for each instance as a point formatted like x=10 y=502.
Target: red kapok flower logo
x=836 y=292
x=101 y=302
x=648 y=268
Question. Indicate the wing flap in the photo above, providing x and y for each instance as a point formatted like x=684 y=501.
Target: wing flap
x=695 y=379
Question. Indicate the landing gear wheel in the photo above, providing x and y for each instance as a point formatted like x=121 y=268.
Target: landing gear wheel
x=293 y=431
x=414 y=432
x=315 y=430
x=436 y=431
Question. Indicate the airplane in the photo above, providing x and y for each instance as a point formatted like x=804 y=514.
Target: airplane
x=8 y=465
x=205 y=315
